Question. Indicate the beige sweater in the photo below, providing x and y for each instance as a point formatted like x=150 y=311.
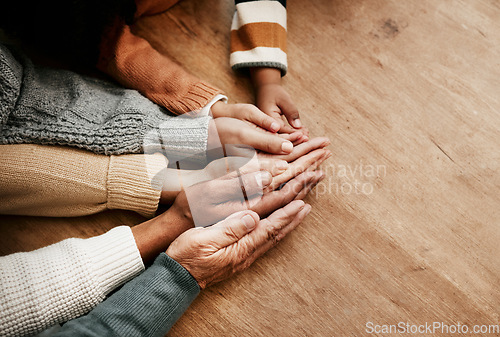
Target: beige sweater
x=62 y=181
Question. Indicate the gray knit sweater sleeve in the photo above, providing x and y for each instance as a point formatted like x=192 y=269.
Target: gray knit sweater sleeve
x=53 y=106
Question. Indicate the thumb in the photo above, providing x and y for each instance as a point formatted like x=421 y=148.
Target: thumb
x=231 y=229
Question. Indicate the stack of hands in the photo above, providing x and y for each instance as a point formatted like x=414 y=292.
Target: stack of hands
x=243 y=203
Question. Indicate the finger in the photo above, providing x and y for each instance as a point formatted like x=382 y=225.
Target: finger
x=253 y=163
x=254 y=183
x=244 y=185
x=301 y=149
x=248 y=165
x=313 y=159
x=301 y=140
x=320 y=161
x=230 y=230
x=304 y=148
x=276 y=199
x=240 y=150
x=266 y=141
x=265 y=121
x=302 y=194
x=273 y=111
x=267 y=229
x=292 y=137
x=287 y=129
x=289 y=110
x=275 y=237
x=271 y=165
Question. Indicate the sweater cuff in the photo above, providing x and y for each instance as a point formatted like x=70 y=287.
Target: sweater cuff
x=258 y=35
x=206 y=110
x=159 y=296
x=179 y=138
x=195 y=99
x=149 y=305
x=131 y=183
x=115 y=257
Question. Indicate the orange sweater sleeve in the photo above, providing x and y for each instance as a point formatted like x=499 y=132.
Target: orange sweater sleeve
x=135 y=64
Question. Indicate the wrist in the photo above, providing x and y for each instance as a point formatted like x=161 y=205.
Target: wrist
x=263 y=76
x=168 y=197
x=154 y=236
x=218 y=108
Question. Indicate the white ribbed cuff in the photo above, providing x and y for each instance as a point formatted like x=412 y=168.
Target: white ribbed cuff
x=205 y=111
x=114 y=256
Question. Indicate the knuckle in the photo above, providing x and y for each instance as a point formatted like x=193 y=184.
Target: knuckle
x=249 y=251
x=246 y=264
x=196 y=242
x=229 y=232
x=273 y=235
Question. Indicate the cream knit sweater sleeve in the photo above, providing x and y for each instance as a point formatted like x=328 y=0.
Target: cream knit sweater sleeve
x=61 y=181
x=63 y=281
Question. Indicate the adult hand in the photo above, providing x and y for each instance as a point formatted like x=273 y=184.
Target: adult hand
x=215 y=253
x=226 y=130
x=267 y=121
x=307 y=156
x=209 y=202
x=247 y=112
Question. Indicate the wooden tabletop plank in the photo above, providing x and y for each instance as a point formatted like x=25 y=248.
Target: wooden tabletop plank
x=405 y=226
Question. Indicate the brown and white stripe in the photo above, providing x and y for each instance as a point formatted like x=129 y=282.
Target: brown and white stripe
x=258 y=35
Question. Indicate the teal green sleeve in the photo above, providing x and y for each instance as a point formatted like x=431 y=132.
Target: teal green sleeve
x=149 y=305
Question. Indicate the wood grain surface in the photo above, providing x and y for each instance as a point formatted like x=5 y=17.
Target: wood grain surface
x=406 y=225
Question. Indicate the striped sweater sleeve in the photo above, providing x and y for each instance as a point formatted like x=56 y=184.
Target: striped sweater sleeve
x=258 y=35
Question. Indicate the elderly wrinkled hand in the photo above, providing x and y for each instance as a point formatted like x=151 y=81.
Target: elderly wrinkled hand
x=214 y=253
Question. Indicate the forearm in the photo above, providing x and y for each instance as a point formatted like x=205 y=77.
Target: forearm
x=134 y=63
x=57 y=107
x=262 y=76
x=149 y=305
x=61 y=181
x=63 y=281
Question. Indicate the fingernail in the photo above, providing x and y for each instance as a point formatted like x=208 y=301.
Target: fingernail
x=282 y=165
x=275 y=126
x=297 y=123
x=308 y=210
x=249 y=221
x=263 y=178
x=302 y=204
x=287 y=147
x=326 y=142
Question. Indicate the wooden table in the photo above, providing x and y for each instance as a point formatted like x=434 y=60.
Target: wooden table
x=405 y=227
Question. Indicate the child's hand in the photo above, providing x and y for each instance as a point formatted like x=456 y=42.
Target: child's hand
x=273 y=99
